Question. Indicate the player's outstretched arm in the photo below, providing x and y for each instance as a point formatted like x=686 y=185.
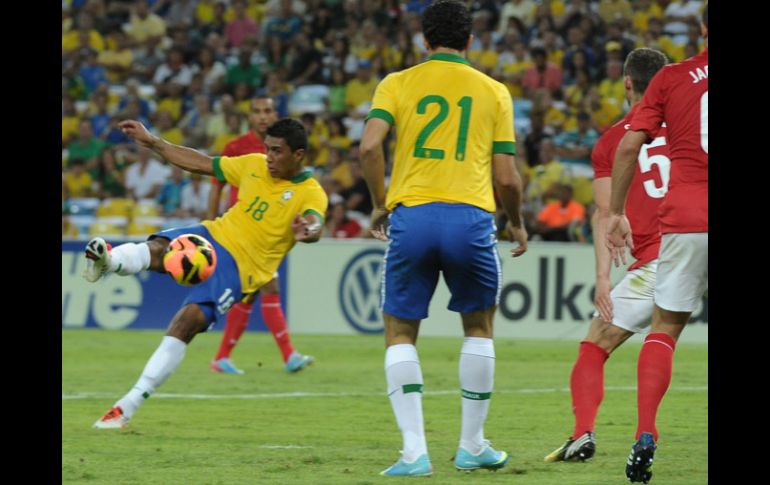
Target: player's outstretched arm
x=509 y=189
x=183 y=157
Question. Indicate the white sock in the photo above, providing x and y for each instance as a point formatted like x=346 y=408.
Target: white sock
x=161 y=365
x=477 y=375
x=404 y=376
x=129 y=258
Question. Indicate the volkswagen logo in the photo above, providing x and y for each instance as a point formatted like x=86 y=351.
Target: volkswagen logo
x=360 y=291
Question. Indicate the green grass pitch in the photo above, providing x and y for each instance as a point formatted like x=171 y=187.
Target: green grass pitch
x=332 y=422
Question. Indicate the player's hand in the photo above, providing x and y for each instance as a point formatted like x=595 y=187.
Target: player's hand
x=137 y=131
x=519 y=235
x=304 y=229
x=379 y=224
x=602 y=299
x=618 y=238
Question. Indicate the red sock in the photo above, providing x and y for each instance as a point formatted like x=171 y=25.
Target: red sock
x=653 y=372
x=237 y=321
x=587 y=386
x=276 y=322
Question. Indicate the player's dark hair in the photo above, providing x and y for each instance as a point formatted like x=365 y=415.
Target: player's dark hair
x=641 y=65
x=706 y=16
x=447 y=23
x=290 y=130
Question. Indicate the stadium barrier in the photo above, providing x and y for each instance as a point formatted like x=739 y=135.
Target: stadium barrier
x=333 y=287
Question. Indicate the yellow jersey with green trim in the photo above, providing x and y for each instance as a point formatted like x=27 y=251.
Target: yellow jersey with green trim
x=256 y=230
x=450 y=118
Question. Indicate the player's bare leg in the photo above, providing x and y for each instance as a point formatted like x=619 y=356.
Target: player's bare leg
x=477 y=374
x=404 y=378
x=654 y=369
x=188 y=322
x=587 y=389
x=237 y=320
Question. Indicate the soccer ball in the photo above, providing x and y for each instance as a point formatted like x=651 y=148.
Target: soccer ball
x=190 y=259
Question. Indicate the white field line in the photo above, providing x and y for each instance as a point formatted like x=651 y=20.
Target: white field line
x=280 y=395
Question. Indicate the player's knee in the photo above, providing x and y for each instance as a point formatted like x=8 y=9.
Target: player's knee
x=157 y=247
x=606 y=336
x=187 y=323
x=271 y=288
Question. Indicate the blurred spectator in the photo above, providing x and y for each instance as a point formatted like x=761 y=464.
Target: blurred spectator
x=357 y=197
x=286 y=25
x=337 y=92
x=195 y=197
x=579 y=63
x=181 y=14
x=211 y=69
x=278 y=90
x=144 y=24
x=77 y=180
x=244 y=71
x=147 y=58
x=644 y=10
x=339 y=225
x=170 y=194
x=558 y=219
x=533 y=140
x=543 y=175
x=171 y=102
x=305 y=65
x=117 y=57
x=91 y=72
x=100 y=118
x=146 y=176
x=575 y=94
x=110 y=175
x=232 y=131
x=611 y=88
x=612 y=10
x=542 y=75
x=521 y=9
x=69 y=120
x=576 y=42
x=677 y=15
x=604 y=112
x=84 y=36
x=194 y=123
x=86 y=147
x=168 y=130
x=173 y=70
x=361 y=88
x=241 y=27
x=574 y=146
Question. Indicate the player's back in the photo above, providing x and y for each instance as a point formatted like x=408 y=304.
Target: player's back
x=678 y=96
x=449 y=119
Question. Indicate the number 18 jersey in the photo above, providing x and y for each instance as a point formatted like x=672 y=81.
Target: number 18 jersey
x=450 y=119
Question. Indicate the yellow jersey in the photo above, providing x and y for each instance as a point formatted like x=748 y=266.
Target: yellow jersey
x=256 y=231
x=450 y=119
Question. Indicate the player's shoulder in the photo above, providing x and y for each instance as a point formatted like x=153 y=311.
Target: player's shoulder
x=694 y=68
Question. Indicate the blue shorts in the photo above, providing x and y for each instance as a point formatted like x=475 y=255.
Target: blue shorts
x=217 y=294
x=456 y=239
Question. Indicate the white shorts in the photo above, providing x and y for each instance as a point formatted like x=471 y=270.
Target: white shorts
x=683 y=271
x=632 y=299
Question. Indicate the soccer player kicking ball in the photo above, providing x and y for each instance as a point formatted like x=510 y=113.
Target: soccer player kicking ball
x=454 y=128
x=628 y=308
x=261 y=115
x=280 y=204
x=678 y=97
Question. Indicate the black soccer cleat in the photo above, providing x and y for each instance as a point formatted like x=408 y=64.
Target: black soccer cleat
x=639 y=464
x=580 y=449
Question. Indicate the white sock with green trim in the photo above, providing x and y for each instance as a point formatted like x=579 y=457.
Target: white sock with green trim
x=161 y=365
x=129 y=258
x=477 y=376
x=404 y=376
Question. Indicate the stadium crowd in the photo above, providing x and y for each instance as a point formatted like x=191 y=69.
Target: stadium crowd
x=188 y=68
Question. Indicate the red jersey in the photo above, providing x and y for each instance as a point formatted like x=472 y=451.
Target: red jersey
x=243 y=145
x=678 y=95
x=647 y=188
